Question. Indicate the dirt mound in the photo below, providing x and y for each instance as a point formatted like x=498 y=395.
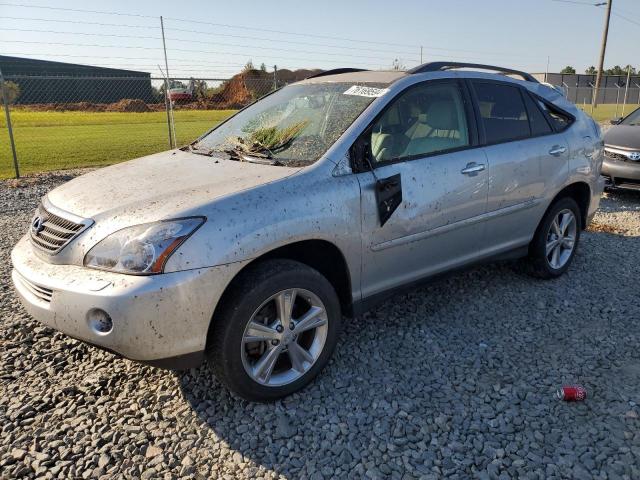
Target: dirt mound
x=63 y=107
x=128 y=105
x=250 y=85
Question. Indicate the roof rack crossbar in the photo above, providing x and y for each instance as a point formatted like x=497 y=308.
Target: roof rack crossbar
x=441 y=66
x=337 y=71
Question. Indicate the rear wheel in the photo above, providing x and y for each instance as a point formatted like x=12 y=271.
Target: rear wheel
x=556 y=239
x=276 y=330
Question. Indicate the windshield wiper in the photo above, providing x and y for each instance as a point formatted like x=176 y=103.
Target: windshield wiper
x=242 y=156
x=198 y=151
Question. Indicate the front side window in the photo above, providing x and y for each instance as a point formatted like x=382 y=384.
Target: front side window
x=426 y=119
x=294 y=126
x=502 y=111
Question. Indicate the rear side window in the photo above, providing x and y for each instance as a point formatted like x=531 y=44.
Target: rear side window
x=502 y=110
x=537 y=120
x=560 y=120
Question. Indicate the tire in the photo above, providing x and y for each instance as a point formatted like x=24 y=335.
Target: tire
x=235 y=360
x=549 y=266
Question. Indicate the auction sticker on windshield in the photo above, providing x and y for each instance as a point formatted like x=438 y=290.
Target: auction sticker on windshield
x=366 y=91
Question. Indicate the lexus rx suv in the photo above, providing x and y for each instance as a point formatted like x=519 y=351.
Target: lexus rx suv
x=252 y=245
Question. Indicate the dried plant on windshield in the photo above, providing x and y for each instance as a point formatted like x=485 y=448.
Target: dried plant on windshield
x=266 y=141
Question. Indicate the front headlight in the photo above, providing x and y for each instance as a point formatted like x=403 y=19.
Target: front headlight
x=141 y=249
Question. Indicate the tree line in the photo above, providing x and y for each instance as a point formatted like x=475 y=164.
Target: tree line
x=617 y=70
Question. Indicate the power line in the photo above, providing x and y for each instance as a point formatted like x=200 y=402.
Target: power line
x=82 y=22
x=184 y=40
x=200 y=32
x=282 y=32
x=78 y=10
x=245 y=55
x=635 y=22
x=262 y=39
x=266 y=30
x=615 y=12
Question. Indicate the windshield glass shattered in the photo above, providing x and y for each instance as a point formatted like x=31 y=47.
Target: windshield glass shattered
x=293 y=126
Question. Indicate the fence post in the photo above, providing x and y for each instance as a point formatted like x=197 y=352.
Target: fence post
x=7 y=114
x=626 y=89
x=275 y=77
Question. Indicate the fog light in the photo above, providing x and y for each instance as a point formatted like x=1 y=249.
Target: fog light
x=99 y=321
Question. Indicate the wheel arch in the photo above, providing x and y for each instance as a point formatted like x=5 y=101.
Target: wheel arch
x=581 y=193
x=321 y=255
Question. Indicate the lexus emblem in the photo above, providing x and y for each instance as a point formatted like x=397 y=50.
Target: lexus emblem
x=37 y=225
x=635 y=156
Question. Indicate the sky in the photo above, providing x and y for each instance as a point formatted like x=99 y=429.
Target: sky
x=214 y=39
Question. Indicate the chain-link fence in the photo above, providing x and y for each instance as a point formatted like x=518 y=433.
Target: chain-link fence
x=60 y=122
x=611 y=102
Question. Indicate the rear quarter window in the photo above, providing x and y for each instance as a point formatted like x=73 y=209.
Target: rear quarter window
x=559 y=119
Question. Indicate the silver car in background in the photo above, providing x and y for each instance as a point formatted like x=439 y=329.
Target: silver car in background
x=315 y=202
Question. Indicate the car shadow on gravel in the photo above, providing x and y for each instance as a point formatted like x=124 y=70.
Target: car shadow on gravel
x=459 y=376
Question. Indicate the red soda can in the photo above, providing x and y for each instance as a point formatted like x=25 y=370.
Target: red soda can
x=572 y=393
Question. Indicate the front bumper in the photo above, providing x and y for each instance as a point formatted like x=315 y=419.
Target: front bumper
x=160 y=319
x=622 y=174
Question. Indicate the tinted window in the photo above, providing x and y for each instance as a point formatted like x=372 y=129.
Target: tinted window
x=537 y=120
x=502 y=110
x=632 y=119
x=426 y=119
x=559 y=119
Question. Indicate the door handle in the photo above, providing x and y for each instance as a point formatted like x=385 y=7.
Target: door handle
x=472 y=168
x=557 y=150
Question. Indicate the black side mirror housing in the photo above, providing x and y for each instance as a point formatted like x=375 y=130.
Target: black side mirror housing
x=616 y=121
x=360 y=154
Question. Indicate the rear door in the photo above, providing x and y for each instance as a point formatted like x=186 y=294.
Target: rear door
x=426 y=217
x=525 y=156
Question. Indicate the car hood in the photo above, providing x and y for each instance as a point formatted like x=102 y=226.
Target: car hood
x=623 y=136
x=160 y=186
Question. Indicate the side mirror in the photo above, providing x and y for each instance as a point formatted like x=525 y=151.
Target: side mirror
x=360 y=153
x=616 y=121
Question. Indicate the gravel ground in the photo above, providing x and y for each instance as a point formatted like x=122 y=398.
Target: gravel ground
x=454 y=379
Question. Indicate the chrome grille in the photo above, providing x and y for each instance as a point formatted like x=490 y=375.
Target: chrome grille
x=621 y=157
x=616 y=156
x=52 y=233
x=37 y=291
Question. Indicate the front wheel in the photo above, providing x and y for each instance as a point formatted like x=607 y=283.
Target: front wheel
x=556 y=240
x=275 y=331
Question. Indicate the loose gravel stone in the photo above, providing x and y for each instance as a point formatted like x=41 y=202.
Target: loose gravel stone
x=453 y=379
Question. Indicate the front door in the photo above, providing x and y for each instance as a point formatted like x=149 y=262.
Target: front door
x=421 y=151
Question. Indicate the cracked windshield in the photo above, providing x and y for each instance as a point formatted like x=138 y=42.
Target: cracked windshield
x=291 y=127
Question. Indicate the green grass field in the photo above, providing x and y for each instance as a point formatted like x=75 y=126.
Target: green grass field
x=604 y=113
x=60 y=140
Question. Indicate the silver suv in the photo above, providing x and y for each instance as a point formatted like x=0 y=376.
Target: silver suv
x=318 y=200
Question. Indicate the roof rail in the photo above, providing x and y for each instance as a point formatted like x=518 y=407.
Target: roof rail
x=337 y=71
x=441 y=66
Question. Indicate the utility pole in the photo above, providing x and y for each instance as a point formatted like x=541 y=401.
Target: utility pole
x=603 y=48
x=167 y=86
x=546 y=73
x=420 y=55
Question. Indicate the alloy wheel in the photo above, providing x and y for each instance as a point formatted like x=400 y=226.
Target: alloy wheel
x=561 y=238
x=284 y=337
